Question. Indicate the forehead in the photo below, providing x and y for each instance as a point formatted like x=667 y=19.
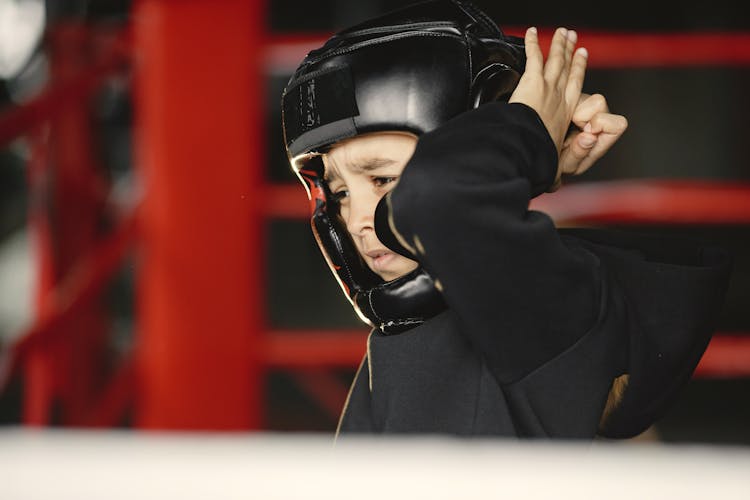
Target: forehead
x=369 y=152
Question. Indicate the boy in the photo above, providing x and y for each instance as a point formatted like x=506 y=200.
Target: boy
x=422 y=135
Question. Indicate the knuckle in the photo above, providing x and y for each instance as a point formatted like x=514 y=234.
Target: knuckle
x=534 y=81
x=579 y=153
x=599 y=101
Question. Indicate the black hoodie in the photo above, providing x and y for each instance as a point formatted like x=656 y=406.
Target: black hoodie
x=540 y=321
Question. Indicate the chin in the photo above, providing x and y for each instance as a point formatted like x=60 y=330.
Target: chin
x=397 y=271
x=391 y=276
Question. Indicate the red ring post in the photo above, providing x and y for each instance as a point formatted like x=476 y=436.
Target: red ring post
x=199 y=144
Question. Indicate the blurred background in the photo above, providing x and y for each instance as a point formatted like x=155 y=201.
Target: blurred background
x=157 y=269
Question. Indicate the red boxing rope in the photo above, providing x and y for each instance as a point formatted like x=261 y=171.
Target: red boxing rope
x=630 y=202
x=606 y=50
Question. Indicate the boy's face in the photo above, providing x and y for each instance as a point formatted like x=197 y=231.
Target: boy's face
x=359 y=171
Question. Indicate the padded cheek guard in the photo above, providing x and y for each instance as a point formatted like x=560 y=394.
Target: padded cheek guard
x=410 y=70
x=332 y=236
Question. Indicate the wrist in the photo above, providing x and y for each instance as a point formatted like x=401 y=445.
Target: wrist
x=543 y=169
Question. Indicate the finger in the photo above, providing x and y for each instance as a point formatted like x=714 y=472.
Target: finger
x=604 y=141
x=583 y=149
x=589 y=107
x=584 y=142
x=527 y=89
x=602 y=145
x=556 y=57
x=534 y=58
x=577 y=74
x=576 y=148
x=570 y=43
x=608 y=123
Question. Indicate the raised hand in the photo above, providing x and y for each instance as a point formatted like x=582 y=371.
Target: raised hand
x=553 y=90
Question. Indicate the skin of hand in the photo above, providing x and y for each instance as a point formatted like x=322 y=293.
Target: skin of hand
x=553 y=90
x=598 y=130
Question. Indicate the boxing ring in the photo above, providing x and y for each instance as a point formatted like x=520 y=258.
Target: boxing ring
x=75 y=465
x=59 y=355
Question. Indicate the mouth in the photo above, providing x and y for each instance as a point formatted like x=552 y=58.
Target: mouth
x=374 y=254
x=380 y=258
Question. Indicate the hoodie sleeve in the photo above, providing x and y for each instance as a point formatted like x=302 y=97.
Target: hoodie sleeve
x=520 y=292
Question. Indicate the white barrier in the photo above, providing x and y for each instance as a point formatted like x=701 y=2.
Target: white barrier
x=62 y=465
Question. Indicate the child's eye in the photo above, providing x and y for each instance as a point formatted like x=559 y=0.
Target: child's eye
x=382 y=181
x=337 y=196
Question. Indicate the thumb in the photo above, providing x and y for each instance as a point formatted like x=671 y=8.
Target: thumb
x=576 y=148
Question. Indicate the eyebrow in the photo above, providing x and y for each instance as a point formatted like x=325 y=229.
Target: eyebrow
x=368 y=164
x=362 y=165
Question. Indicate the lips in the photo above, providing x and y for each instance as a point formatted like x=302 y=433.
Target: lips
x=380 y=258
x=374 y=254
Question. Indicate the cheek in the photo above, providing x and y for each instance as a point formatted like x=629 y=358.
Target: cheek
x=344 y=213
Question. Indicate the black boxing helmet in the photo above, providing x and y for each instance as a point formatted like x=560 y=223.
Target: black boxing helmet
x=409 y=70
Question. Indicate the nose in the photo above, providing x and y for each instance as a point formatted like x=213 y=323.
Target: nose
x=361 y=214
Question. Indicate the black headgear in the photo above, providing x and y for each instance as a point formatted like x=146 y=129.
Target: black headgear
x=410 y=70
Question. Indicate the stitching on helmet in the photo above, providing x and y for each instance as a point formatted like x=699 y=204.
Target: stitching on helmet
x=399 y=322
x=340 y=248
x=309 y=76
x=372 y=306
x=394 y=27
x=470 y=62
x=480 y=17
x=378 y=41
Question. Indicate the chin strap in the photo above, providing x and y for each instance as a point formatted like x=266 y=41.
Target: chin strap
x=399 y=305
